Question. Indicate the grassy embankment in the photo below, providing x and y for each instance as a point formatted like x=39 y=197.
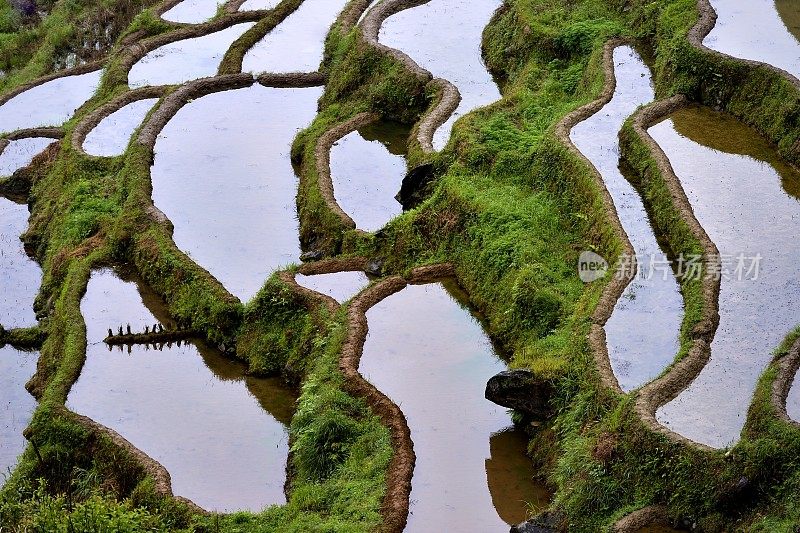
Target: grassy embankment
x=512 y=209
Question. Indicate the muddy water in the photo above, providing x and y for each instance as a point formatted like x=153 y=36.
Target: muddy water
x=341 y=286
x=789 y=11
x=175 y=404
x=753 y=29
x=444 y=37
x=20 y=276
x=296 y=45
x=49 y=104
x=367 y=168
x=185 y=60
x=747 y=201
x=192 y=11
x=227 y=183
x=427 y=353
x=20 y=153
x=16 y=405
x=111 y=136
x=643 y=331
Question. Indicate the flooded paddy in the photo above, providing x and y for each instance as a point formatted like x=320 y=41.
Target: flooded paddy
x=49 y=104
x=428 y=354
x=227 y=183
x=174 y=402
x=16 y=405
x=444 y=37
x=793 y=401
x=192 y=11
x=643 y=332
x=746 y=198
x=20 y=276
x=111 y=136
x=253 y=5
x=367 y=169
x=185 y=60
x=753 y=29
x=341 y=286
x=20 y=153
x=296 y=45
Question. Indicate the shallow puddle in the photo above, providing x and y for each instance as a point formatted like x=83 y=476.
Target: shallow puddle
x=111 y=136
x=227 y=183
x=367 y=169
x=16 y=405
x=643 y=332
x=431 y=357
x=185 y=60
x=20 y=153
x=175 y=404
x=746 y=198
x=444 y=37
x=48 y=104
x=20 y=276
x=753 y=29
x=192 y=11
x=296 y=45
x=341 y=286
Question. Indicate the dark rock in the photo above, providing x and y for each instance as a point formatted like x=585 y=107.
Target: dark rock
x=374 y=267
x=412 y=191
x=313 y=255
x=529 y=527
x=522 y=391
x=736 y=494
x=547 y=522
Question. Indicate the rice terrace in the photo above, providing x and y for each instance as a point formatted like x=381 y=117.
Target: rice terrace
x=527 y=266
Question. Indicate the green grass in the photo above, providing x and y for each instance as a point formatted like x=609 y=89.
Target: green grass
x=511 y=209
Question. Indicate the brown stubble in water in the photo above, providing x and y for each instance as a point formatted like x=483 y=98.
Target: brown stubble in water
x=176 y=406
x=273 y=394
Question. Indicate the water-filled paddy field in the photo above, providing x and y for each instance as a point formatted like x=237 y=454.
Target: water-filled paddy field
x=174 y=356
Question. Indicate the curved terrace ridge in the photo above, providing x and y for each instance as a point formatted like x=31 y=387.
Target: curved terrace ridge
x=448 y=96
x=401 y=469
x=670 y=384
